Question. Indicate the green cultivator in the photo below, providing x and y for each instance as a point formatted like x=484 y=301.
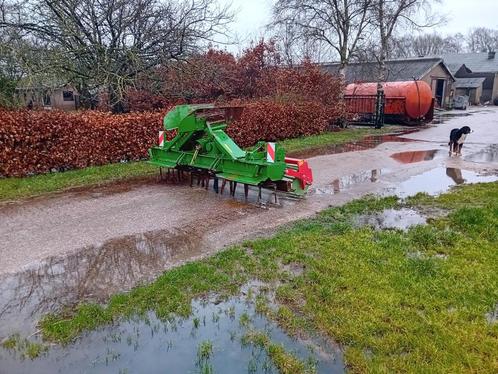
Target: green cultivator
x=202 y=148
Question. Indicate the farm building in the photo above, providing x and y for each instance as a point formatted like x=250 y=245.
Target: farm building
x=65 y=97
x=477 y=65
x=471 y=87
x=431 y=70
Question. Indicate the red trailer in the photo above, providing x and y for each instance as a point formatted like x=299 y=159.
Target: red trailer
x=404 y=102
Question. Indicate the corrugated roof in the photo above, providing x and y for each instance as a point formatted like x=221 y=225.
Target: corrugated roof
x=477 y=62
x=397 y=70
x=457 y=66
x=469 y=82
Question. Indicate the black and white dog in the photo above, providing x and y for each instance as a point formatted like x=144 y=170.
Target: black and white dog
x=457 y=138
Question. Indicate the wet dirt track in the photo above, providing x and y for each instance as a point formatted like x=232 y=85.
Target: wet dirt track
x=86 y=245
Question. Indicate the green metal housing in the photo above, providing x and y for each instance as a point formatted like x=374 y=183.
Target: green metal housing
x=201 y=143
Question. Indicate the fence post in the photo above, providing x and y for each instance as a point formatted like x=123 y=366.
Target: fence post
x=379 y=107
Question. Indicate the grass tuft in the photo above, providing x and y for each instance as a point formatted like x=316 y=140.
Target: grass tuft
x=286 y=363
x=19 y=188
x=333 y=138
x=26 y=348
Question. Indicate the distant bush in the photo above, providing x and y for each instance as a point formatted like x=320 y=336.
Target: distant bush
x=271 y=121
x=33 y=142
x=219 y=76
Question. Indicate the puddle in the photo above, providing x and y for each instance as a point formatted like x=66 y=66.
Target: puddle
x=492 y=316
x=417 y=255
x=438 y=180
x=153 y=346
x=411 y=157
x=433 y=182
x=444 y=116
x=93 y=273
x=488 y=154
x=368 y=142
x=401 y=219
x=344 y=183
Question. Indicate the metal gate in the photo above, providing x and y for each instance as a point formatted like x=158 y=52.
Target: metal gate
x=367 y=109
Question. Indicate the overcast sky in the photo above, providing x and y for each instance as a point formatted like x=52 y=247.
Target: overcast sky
x=253 y=15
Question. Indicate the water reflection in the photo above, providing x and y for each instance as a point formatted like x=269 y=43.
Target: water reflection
x=411 y=157
x=149 y=345
x=93 y=273
x=438 y=180
x=456 y=175
x=433 y=182
x=343 y=183
x=489 y=154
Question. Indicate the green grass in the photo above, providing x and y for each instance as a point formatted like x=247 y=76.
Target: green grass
x=205 y=350
x=333 y=138
x=396 y=301
x=26 y=348
x=204 y=353
x=17 y=188
x=286 y=363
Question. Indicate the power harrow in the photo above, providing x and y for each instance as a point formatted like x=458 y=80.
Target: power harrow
x=202 y=149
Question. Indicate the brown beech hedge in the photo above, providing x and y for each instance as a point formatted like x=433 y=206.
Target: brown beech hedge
x=33 y=142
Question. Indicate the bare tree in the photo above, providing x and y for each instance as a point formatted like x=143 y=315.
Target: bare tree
x=339 y=24
x=390 y=15
x=288 y=42
x=454 y=43
x=428 y=45
x=482 y=39
x=105 y=44
x=294 y=48
x=424 y=45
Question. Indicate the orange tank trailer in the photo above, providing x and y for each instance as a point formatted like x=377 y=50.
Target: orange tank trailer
x=408 y=102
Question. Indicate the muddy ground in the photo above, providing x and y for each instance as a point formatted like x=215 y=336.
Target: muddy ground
x=88 y=244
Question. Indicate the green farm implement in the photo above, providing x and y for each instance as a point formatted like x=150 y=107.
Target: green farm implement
x=202 y=148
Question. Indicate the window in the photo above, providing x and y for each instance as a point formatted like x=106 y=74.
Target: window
x=67 y=95
x=46 y=100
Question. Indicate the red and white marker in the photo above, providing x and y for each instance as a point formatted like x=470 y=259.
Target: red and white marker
x=161 y=138
x=270 y=152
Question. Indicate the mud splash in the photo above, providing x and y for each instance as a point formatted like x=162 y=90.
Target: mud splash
x=368 y=142
x=152 y=345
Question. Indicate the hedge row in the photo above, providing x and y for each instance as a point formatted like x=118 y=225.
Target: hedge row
x=272 y=121
x=33 y=142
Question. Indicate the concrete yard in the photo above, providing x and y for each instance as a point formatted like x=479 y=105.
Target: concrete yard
x=89 y=244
